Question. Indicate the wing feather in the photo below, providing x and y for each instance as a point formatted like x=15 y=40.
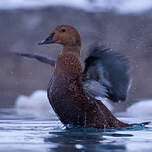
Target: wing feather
x=106 y=74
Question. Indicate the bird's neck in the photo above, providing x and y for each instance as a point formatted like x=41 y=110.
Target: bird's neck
x=68 y=61
x=74 y=50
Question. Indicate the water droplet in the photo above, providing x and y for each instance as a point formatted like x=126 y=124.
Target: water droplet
x=79 y=146
x=85 y=119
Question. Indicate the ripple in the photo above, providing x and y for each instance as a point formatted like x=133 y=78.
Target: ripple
x=49 y=135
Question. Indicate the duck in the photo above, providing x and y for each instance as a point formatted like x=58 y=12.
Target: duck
x=78 y=89
x=74 y=85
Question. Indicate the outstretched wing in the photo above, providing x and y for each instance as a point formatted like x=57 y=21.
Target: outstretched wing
x=39 y=57
x=106 y=74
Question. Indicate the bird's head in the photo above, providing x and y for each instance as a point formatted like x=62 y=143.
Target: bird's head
x=65 y=35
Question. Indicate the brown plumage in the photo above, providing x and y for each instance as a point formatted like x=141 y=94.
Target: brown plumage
x=66 y=92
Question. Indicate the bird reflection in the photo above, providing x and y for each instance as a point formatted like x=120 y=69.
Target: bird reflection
x=80 y=141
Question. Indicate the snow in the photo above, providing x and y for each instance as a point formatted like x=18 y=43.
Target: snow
x=120 y=6
x=135 y=6
x=35 y=105
x=140 y=109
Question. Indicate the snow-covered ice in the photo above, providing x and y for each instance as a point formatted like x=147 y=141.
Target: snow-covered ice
x=140 y=109
x=35 y=105
x=120 y=6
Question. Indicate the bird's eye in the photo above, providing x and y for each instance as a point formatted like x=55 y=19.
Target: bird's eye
x=63 y=30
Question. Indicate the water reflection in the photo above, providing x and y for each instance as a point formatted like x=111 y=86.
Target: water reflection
x=48 y=136
x=82 y=140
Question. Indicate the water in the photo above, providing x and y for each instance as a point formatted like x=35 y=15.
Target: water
x=21 y=133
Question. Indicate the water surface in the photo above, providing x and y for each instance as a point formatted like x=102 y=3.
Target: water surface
x=21 y=133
